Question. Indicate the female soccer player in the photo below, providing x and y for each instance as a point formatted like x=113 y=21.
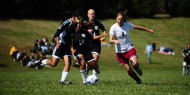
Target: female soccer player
x=124 y=48
x=94 y=28
x=81 y=50
x=63 y=42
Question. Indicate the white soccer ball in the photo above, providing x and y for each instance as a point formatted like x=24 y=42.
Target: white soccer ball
x=91 y=79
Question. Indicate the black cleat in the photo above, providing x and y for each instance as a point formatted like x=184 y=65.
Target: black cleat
x=138 y=82
x=66 y=82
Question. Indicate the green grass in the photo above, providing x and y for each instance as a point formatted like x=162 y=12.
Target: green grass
x=163 y=77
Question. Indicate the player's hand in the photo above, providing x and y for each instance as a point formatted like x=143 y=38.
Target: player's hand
x=90 y=30
x=117 y=42
x=152 y=31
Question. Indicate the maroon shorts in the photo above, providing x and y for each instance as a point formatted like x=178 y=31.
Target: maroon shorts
x=123 y=58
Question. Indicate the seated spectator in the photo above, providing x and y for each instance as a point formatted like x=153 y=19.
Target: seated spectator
x=13 y=49
x=37 y=49
x=47 y=48
x=13 y=52
x=44 y=45
x=29 y=60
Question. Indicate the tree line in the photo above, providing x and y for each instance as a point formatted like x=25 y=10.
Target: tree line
x=57 y=9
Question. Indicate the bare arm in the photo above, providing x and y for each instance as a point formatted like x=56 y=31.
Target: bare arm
x=112 y=40
x=144 y=29
x=98 y=37
x=57 y=42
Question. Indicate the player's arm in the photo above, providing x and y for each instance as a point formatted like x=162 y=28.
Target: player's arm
x=112 y=40
x=183 y=53
x=103 y=29
x=57 y=41
x=105 y=34
x=62 y=27
x=98 y=37
x=144 y=29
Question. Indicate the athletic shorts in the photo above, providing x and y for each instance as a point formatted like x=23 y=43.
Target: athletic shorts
x=123 y=58
x=88 y=57
x=187 y=60
x=95 y=49
x=61 y=51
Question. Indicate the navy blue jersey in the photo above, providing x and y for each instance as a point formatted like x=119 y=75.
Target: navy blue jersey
x=68 y=28
x=96 y=27
x=80 y=40
x=186 y=52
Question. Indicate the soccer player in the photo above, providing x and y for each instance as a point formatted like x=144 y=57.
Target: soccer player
x=81 y=50
x=63 y=42
x=125 y=51
x=94 y=28
x=186 y=60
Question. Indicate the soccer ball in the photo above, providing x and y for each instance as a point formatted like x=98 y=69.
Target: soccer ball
x=91 y=79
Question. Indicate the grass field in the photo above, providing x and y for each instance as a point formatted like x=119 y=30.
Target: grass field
x=163 y=77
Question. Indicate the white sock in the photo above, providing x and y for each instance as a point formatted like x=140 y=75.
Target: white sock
x=94 y=72
x=64 y=76
x=83 y=75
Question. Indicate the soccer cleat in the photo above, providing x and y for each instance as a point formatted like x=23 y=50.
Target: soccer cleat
x=139 y=71
x=138 y=82
x=84 y=82
x=66 y=82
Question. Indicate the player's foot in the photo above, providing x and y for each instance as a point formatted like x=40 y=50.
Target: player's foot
x=138 y=82
x=84 y=82
x=139 y=71
x=66 y=82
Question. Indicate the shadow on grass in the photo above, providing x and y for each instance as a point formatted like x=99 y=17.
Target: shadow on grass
x=164 y=83
x=153 y=63
x=3 y=65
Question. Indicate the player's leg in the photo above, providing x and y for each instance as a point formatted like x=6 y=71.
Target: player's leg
x=188 y=66
x=82 y=67
x=66 y=69
x=131 y=73
x=188 y=69
x=136 y=64
x=93 y=65
x=184 y=68
x=50 y=62
x=96 y=57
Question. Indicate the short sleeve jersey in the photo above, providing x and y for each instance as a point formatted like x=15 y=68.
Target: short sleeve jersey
x=122 y=34
x=64 y=32
x=96 y=32
x=80 y=40
x=186 y=52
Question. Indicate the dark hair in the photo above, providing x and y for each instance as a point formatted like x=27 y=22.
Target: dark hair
x=78 y=13
x=123 y=14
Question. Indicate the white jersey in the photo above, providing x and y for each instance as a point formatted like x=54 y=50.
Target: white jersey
x=122 y=34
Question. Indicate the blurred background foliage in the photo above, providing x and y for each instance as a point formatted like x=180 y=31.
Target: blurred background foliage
x=60 y=9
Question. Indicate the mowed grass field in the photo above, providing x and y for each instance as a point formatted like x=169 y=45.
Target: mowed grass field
x=162 y=77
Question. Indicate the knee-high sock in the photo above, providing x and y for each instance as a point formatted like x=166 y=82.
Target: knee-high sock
x=96 y=71
x=83 y=75
x=133 y=75
x=64 y=76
